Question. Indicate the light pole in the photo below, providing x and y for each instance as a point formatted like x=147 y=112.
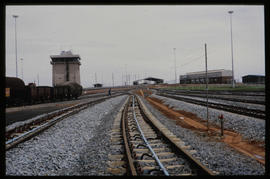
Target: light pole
x=22 y=67
x=233 y=84
x=15 y=16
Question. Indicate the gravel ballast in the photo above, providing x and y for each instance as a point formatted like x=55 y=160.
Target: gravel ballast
x=77 y=145
x=80 y=144
x=227 y=102
x=250 y=128
x=216 y=156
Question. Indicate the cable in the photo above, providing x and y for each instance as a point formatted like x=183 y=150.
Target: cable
x=197 y=58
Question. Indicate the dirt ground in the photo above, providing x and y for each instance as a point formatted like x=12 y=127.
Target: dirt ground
x=193 y=122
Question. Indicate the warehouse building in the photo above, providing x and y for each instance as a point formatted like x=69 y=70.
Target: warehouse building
x=253 y=79
x=220 y=76
x=98 y=85
x=66 y=67
x=149 y=80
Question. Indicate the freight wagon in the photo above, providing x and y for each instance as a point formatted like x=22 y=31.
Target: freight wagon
x=44 y=93
x=17 y=93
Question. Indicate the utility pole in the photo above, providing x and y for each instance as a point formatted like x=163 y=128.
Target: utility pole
x=175 y=65
x=128 y=79
x=122 y=80
x=16 y=16
x=206 y=82
x=112 y=80
x=233 y=84
x=96 y=78
x=102 y=78
x=38 y=78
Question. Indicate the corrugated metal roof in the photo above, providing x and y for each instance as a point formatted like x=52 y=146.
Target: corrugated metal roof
x=253 y=76
x=150 y=79
x=65 y=54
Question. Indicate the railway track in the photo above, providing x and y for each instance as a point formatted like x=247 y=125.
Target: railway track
x=151 y=149
x=215 y=95
x=220 y=92
x=40 y=123
x=234 y=109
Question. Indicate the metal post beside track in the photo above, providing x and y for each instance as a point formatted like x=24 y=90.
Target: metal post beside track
x=206 y=81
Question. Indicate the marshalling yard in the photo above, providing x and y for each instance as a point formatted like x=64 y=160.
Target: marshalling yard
x=140 y=129
x=115 y=117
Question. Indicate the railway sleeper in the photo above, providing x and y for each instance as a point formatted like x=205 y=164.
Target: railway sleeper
x=154 y=161
x=116 y=142
x=172 y=169
x=146 y=150
x=141 y=141
x=116 y=157
x=149 y=136
x=159 y=154
x=117 y=171
x=156 y=144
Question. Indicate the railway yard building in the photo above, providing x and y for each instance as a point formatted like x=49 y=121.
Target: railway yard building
x=220 y=76
x=253 y=79
x=149 y=80
x=98 y=85
x=66 y=68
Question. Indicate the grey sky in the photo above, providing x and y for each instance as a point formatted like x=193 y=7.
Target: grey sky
x=137 y=39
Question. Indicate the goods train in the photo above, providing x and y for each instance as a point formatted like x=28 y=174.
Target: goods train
x=17 y=93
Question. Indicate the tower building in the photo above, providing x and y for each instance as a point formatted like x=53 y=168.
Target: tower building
x=66 y=67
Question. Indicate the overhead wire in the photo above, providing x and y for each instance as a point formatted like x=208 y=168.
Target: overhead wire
x=197 y=58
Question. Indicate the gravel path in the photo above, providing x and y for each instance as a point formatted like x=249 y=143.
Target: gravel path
x=76 y=145
x=216 y=155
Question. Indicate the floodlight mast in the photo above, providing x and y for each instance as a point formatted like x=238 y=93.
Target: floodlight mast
x=15 y=17
x=233 y=83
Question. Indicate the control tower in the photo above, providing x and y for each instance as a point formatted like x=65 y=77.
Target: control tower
x=66 y=67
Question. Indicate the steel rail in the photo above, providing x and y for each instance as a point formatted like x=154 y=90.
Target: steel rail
x=127 y=149
x=16 y=140
x=219 y=92
x=234 y=109
x=146 y=142
x=215 y=97
x=63 y=113
x=203 y=170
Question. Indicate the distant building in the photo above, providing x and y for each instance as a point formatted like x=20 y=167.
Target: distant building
x=253 y=79
x=66 y=67
x=149 y=80
x=220 y=76
x=97 y=85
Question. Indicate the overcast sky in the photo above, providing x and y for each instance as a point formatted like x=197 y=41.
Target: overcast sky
x=136 y=40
